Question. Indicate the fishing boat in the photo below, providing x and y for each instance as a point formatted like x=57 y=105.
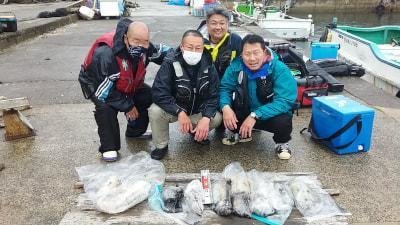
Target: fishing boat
x=276 y=21
x=377 y=49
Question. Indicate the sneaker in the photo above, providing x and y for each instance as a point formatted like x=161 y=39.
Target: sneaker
x=234 y=138
x=283 y=150
x=159 y=153
x=109 y=156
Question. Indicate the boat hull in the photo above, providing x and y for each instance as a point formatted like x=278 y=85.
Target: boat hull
x=289 y=28
x=381 y=72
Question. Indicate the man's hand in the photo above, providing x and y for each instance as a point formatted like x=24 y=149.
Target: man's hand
x=185 y=125
x=229 y=117
x=247 y=127
x=133 y=114
x=201 y=130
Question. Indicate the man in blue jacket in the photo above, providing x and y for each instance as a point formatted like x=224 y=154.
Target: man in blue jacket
x=258 y=91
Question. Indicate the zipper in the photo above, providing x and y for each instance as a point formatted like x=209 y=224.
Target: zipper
x=181 y=86
x=203 y=86
x=127 y=89
x=203 y=77
x=194 y=99
x=182 y=80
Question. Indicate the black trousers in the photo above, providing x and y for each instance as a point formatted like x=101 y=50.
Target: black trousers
x=281 y=125
x=107 y=122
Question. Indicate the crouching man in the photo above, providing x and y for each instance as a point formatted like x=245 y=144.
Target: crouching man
x=112 y=77
x=185 y=90
x=258 y=91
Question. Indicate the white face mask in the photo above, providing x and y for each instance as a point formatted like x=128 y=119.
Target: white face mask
x=192 y=58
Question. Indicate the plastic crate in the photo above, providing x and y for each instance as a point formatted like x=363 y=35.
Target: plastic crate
x=324 y=50
x=8 y=22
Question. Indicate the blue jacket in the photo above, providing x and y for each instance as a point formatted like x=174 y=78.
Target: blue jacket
x=285 y=88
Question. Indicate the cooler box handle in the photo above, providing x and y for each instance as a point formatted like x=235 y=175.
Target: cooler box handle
x=356 y=119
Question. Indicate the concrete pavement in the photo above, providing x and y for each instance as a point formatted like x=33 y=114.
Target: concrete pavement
x=29 y=26
x=37 y=184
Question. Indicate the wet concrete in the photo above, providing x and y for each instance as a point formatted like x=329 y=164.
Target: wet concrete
x=37 y=183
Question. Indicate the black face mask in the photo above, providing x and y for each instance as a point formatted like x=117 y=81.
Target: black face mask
x=136 y=51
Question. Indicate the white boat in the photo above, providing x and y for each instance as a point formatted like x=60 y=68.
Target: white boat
x=278 y=22
x=377 y=49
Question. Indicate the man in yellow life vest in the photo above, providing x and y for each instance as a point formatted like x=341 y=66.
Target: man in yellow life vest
x=223 y=45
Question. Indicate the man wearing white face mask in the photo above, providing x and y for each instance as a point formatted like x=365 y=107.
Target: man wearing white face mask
x=185 y=90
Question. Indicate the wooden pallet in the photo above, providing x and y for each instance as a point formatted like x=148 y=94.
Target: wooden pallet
x=142 y=214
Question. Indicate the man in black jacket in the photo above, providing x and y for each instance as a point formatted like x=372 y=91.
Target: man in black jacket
x=112 y=76
x=185 y=90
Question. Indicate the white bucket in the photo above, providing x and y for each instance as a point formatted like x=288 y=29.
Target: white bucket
x=86 y=13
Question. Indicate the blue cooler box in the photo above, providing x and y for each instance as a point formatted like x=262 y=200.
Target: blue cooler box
x=324 y=50
x=331 y=113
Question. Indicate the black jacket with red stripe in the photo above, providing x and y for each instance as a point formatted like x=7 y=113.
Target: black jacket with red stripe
x=104 y=65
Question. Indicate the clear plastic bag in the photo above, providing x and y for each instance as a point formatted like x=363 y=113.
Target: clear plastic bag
x=261 y=189
x=221 y=196
x=156 y=203
x=172 y=197
x=193 y=198
x=312 y=201
x=115 y=187
x=240 y=188
x=270 y=196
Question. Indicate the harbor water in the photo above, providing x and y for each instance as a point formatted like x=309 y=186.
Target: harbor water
x=357 y=19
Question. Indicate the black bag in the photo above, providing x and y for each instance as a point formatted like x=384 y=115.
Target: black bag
x=333 y=84
x=309 y=85
x=240 y=98
x=341 y=68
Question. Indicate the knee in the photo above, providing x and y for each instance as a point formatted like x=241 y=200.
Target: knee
x=284 y=122
x=104 y=109
x=155 y=112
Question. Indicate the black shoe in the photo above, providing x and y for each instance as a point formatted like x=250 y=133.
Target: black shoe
x=203 y=142
x=220 y=128
x=159 y=153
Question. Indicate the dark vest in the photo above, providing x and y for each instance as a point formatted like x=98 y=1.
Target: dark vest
x=187 y=95
x=265 y=87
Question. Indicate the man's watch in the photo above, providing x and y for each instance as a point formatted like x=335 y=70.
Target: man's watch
x=253 y=115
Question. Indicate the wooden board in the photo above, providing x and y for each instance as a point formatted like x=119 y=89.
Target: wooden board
x=16 y=125
x=141 y=214
x=14 y=103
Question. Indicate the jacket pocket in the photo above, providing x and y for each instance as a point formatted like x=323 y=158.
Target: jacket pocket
x=265 y=89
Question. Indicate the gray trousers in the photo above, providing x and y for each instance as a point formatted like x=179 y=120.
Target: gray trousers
x=160 y=120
